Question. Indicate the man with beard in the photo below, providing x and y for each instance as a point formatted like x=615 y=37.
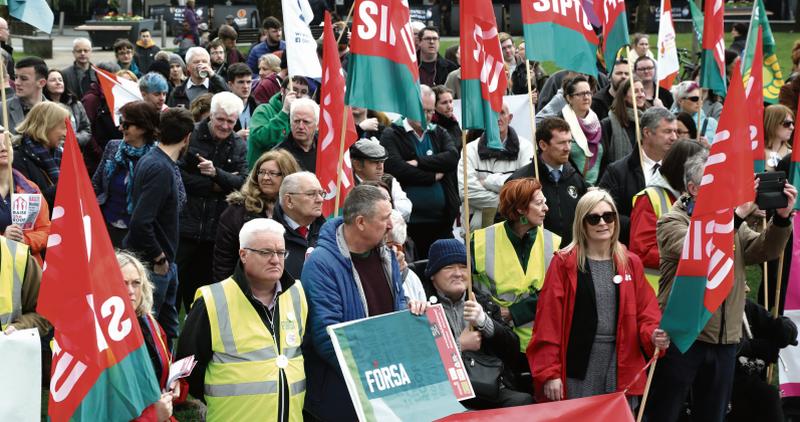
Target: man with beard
x=601 y=101
x=272 y=43
x=157 y=196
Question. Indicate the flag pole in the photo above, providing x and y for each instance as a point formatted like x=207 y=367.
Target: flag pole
x=340 y=164
x=7 y=131
x=766 y=280
x=349 y=14
x=647 y=385
x=466 y=212
x=532 y=110
x=636 y=111
x=775 y=310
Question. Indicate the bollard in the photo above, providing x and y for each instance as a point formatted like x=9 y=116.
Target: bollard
x=61 y=23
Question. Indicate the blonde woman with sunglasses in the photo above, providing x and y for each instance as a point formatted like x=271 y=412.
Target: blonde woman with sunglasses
x=778 y=128
x=597 y=319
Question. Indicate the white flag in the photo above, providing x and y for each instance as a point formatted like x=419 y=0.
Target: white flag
x=668 y=64
x=301 y=46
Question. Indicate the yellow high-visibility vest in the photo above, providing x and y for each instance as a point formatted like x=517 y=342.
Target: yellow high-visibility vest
x=509 y=283
x=659 y=199
x=244 y=378
x=13 y=261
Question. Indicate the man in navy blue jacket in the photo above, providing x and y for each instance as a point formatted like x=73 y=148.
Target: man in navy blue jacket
x=158 y=196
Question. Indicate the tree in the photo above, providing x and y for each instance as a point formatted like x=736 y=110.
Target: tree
x=269 y=8
x=642 y=15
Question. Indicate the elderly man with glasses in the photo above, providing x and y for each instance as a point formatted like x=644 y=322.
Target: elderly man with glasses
x=245 y=333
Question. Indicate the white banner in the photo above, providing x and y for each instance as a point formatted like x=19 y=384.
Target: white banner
x=21 y=383
x=518 y=106
x=667 y=51
x=300 y=44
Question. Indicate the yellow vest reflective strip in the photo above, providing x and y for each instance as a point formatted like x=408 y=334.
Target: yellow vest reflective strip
x=244 y=378
x=508 y=283
x=13 y=261
x=659 y=199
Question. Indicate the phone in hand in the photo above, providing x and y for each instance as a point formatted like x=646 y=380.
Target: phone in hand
x=769 y=195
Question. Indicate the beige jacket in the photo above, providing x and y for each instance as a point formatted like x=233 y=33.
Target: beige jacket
x=750 y=247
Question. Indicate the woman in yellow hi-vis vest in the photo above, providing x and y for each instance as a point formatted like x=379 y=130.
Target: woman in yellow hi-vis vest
x=511 y=257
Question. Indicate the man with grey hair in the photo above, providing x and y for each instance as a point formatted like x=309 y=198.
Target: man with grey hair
x=709 y=363
x=301 y=141
x=350 y=275
x=201 y=79
x=268 y=327
x=624 y=178
x=79 y=76
x=299 y=209
x=424 y=161
x=214 y=166
x=367 y=157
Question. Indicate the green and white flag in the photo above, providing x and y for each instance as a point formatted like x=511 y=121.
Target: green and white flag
x=392 y=378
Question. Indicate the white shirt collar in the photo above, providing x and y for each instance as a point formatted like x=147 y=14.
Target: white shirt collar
x=190 y=84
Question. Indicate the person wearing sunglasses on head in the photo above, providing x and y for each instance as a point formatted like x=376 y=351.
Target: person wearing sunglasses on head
x=689 y=98
x=596 y=320
x=113 y=179
x=778 y=129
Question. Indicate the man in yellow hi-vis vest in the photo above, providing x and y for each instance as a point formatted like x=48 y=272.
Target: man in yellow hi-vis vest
x=245 y=333
x=20 y=277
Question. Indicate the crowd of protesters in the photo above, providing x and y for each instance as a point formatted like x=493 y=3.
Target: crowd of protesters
x=208 y=189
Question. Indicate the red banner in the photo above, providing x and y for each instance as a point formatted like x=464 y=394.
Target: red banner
x=481 y=56
x=82 y=292
x=382 y=28
x=755 y=104
x=332 y=109
x=607 y=408
x=714 y=31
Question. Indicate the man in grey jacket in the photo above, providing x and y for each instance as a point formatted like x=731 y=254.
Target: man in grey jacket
x=28 y=85
x=708 y=365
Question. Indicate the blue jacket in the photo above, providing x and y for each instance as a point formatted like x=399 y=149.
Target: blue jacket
x=259 y=50
x=334 y=295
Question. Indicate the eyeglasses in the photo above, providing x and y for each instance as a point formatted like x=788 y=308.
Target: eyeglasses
x=271 y=174
x=787 y=124
x=582 y=94
x=269 y=253
x=594 y=219
x=645 y=69
x=430 y=39
x=693 y=98
x=311 y=194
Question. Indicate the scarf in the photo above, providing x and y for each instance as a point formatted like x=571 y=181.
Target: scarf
x=621 y=144
x=126 y=158
x=586 y=132
x=143 y=45
x=48 y=161
x=508 y=153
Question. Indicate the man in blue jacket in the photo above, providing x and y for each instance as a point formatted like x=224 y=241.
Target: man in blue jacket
x=350 y=275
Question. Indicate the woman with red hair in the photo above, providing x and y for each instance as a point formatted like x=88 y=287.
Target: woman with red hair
x=511 y=258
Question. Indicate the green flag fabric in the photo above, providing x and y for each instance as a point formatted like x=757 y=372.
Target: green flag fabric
x=773 y=77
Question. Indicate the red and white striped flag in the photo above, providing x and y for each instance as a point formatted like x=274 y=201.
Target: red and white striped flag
x=118 y=91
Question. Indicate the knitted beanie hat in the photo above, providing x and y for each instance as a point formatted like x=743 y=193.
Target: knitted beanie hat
x=444 y=252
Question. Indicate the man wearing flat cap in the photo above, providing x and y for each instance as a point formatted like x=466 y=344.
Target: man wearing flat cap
x=367 y=156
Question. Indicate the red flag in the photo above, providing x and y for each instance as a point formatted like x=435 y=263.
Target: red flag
x=705 y=272
x=755 y=105
x=330 y=125
x=118 y=91
x=607 y=408
x=382 y=28
x=714 y=46
x=101 y=369
x=481 y=56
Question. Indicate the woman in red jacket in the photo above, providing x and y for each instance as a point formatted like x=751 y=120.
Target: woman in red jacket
x=600 y=286
x=140 y=292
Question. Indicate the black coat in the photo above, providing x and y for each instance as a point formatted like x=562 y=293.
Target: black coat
x=443 y=68
x=601 y=102
x=306 y=159
x=562 y=197
x=623 y=179
x=206 y=195
x=226 y=246
x=295 y=244
x=178 y=97
x=400 y=148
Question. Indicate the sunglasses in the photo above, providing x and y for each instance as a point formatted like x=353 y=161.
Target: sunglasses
x=594 y=219
x=787 y=124
x=693 y=99
x=126 y=125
